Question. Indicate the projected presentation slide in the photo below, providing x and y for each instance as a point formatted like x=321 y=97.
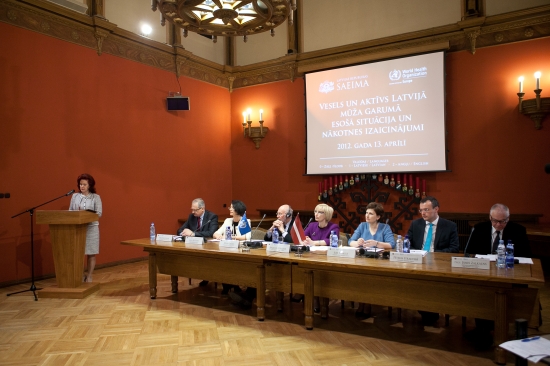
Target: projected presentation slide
x=386 y=116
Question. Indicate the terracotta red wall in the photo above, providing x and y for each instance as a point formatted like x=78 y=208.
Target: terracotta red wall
x=64 y=110
x=495 y=154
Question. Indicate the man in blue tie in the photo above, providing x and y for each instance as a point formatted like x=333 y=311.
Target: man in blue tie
x=432 y=234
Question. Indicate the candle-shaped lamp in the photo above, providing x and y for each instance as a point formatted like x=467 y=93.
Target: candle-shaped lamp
x=520 y=79
x=248 y=117
x=261 y=114
x=537 y=76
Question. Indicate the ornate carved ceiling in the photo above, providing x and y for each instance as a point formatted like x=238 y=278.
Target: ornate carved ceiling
x=105 y=37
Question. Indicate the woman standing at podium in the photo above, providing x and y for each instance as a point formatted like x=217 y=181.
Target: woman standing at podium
x=87 y=199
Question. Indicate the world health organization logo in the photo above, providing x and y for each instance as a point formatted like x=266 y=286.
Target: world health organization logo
x=395 y=75
x=326 y=87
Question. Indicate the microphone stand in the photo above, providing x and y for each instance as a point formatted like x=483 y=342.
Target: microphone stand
x=31 y=213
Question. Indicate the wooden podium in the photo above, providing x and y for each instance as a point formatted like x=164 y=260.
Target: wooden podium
x=68 y=234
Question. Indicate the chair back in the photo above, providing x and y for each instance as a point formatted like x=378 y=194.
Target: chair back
x=344 y=237
x=258 y=234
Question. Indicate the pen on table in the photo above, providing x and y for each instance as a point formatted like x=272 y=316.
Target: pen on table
x=530 y=339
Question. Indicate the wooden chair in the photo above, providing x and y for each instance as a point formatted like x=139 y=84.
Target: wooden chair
x=258 y=234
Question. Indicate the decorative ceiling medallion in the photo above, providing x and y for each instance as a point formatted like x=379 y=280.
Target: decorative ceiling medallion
x=227 y=18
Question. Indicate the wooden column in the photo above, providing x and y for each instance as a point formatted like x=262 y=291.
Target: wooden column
x=153 y=275
x=308 y=299
x=501 y=326
x=260 y=296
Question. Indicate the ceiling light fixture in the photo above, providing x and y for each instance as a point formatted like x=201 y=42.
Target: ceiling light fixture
x=227 y=18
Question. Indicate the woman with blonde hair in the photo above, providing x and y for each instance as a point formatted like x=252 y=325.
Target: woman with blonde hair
x=318 y=233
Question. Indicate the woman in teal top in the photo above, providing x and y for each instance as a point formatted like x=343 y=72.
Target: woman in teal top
x=372 y=233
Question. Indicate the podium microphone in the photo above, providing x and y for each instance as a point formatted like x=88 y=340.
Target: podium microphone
x=468 y=243
x=69 y=193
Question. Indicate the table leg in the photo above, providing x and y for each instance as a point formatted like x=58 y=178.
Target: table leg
x=260 y=297
x=174 y=280
x=324 y=307
x=308 y=299
x=501 y=326
x=280 y=300
x=153 y=275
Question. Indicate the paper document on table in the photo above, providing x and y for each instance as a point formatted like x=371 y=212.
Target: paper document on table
x=418 y=251
x=318 y=248
x=533 y=349
x=493 y=258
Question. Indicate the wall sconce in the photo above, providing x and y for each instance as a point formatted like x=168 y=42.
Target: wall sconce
x=256 y=134
x=536 y=108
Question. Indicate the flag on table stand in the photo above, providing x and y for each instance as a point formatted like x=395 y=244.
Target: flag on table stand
x=297 y=231
x=244 y=228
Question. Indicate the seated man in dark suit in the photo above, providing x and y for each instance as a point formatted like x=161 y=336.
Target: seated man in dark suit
x=200 y=222
x=283 y=224
x=486 y=235
x=484 y=240
x=433 y=234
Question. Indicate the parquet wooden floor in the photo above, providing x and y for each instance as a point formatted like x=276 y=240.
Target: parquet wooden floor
x=121 y=325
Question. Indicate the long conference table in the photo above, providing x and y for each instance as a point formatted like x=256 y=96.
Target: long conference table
x=496 y=294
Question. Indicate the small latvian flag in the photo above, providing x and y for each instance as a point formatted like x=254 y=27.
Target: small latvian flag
x=297 y=231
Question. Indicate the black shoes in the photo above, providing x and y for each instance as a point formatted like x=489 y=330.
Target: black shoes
x=240 y=301
x=481 y=339
x=362 y=315
x=297 y=298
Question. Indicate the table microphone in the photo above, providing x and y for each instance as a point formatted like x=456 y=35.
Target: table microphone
x=69 y=193
x=203 y=224
x=468 y=243
x=308 y=223
x=250 y=243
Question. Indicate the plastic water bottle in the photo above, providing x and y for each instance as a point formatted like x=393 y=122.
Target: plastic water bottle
x=399 y=244
x=510 y=255
x=152 y=232
x=228 y=235
x=501 y=256
x=406 y=245
x=275 y=236
x=333 y=239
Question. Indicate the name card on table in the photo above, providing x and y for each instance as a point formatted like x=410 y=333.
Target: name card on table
x=232 y=244
x=477 y=263
x=406 y=257
x=342 y=252
x=165 y=237
x=280 y=248
x=194 y=240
